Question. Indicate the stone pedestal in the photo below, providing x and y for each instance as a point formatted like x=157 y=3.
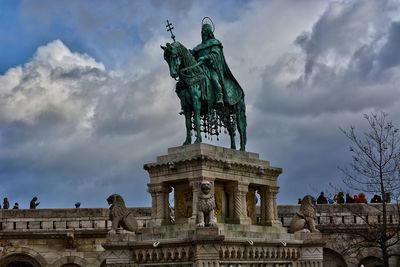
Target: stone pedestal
x=235 y=175
x=237 y=239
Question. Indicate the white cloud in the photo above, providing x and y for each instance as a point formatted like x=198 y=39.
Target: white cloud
x=65 y=118
x=307 y=68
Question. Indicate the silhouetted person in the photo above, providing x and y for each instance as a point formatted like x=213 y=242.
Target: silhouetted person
x=6 y=204
x=361 y=198
x=322 y=199
x=77 y=205
x=349 y=199
x=33 y=203
x=16 y=206
x=376 y=199
x=340 y=198
x=299 y=201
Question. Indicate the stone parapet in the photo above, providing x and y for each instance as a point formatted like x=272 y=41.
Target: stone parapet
x=53 y=220
x=51 y=246
x=332 y=216
x=50 y=220
x=212 y=247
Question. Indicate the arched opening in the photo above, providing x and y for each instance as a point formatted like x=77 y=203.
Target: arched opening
x=19 y=260
x=371 y=261
x=70 y=265
x=333 y=259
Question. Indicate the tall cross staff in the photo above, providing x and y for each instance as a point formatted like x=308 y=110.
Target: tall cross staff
x=169 y=29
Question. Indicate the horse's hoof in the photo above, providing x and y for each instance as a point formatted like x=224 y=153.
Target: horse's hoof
x=197 y=141
x=186 y=143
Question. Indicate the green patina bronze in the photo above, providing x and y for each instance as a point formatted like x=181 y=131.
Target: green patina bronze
x=211 y=98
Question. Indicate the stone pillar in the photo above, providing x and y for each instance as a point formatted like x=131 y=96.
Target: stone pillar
x=311 y=255
x=160 y=203
x=240 y=203
x=195 y=189
x=207 y=244
x=207 y=255
x=269 y=210
x=119 y=258
x=117 y=255
x=274 y=191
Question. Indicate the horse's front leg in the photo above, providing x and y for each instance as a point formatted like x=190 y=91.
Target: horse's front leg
x=196 y=94
x=184 y=95
x=242 y=124
x=188 y=122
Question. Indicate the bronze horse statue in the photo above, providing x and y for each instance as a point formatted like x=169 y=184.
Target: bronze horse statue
x=198 y=100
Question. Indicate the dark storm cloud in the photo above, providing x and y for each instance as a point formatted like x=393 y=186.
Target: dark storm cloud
x=389 y=55
x=341 y=72
x=340 y=67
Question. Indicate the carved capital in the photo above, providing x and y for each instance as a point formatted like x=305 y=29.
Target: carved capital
x=242 y=187
x=273 y=190
x=159 y=188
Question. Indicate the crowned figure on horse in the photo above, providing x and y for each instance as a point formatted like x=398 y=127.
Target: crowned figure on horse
x=211 y=98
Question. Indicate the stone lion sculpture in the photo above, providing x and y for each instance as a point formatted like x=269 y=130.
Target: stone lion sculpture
x=120 y=215
x=304 y=219
x=206 y=205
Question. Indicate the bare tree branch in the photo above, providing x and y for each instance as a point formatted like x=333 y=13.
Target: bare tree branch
x=375 y=169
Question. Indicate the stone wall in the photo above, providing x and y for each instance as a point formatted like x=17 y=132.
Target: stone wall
x=56 y=237
x=341 y=215
x=335 y=223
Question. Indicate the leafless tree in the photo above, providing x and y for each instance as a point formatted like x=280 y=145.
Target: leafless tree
x=375 y=169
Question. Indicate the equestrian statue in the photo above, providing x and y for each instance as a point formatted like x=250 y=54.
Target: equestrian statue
x=210 y=96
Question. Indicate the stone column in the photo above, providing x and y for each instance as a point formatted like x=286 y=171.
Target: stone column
x=195 y=189
x=160 y=203
x=269 y=210
x=207 y=243
x=239 y=203
x=274 y=191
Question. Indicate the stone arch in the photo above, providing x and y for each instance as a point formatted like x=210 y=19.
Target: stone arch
x=70 y=261
x=19 y=260
x=23 y=255
x=371 y=261
x=333 y=258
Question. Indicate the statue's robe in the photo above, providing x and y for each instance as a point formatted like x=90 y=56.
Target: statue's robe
x=212 y=48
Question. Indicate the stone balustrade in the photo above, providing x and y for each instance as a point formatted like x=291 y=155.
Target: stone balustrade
x=76 y=235
x=39 y=220
x=344 y=214
x=25 y=220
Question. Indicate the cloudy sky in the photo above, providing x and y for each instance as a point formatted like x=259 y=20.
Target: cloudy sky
x=86 y=98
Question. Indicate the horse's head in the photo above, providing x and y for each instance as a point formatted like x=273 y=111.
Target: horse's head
x=171 y=55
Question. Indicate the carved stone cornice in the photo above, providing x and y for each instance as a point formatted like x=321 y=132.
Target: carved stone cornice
x=222 y=163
